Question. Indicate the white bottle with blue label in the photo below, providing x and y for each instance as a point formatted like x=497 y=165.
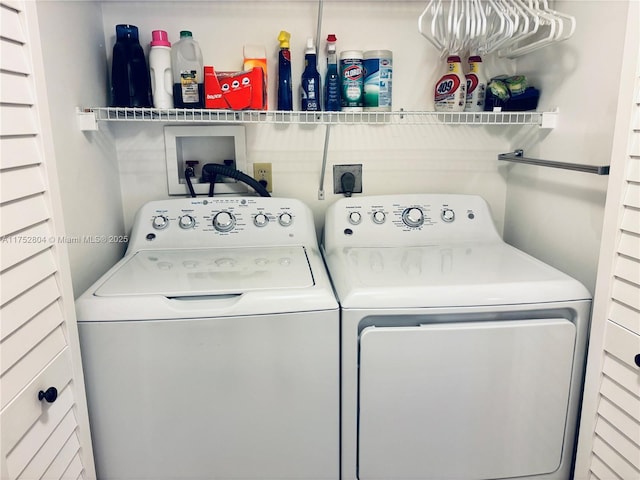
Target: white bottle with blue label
x=450 y=93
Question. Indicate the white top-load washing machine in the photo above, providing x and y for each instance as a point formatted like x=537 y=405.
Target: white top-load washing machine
x=462 y=357
x=211 y=349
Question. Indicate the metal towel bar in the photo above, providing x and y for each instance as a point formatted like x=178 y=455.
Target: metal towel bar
x=518 y=157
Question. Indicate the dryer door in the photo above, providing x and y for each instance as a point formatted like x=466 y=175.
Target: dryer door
x=481 y=400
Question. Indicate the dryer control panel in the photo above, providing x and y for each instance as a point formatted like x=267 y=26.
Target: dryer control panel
x=412 y=219
x=222 y=222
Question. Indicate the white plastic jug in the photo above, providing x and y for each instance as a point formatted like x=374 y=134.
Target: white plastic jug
x=188 y=72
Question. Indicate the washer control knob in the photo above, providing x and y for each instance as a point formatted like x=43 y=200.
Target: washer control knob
x=224 y=221
x=413 y=217
x=160 y=222
x=378 y=217
x=260 y=220
x=285 y=219
x=355 y=218
x=186 y=222
x=448 y=215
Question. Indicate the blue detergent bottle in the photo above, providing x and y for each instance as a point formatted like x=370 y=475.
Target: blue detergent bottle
x=285 y=95
x=130 y=81
x=310 y=85
x=332 y=80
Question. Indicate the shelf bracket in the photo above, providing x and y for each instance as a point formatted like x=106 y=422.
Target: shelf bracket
x=518 y=157
x=86 y=119
x=549 y=119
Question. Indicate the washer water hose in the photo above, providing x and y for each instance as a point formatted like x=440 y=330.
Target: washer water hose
x=188 y=173
x=211 y=170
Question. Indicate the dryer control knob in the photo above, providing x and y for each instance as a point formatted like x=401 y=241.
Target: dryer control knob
x=448 y=215
x=224 y=221
x=378 y=217
x=413 y=217
x=186 y=222
x=285 y=219
x=355 y=218
x=260 y=220
x=160 y=222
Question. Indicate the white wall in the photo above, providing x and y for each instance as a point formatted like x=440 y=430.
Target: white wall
x=75 y=71
x=553 y=214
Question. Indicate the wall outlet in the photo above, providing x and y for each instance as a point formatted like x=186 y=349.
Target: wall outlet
x=339 y=170
x=262 y=173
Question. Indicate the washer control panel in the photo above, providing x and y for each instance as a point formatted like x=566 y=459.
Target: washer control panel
x=408 y=219
x=226 y=221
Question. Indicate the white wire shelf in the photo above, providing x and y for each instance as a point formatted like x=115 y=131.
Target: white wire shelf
x=89 y=116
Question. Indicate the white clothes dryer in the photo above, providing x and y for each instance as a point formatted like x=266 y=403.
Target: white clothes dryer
x=462 y=357
x=211 y=349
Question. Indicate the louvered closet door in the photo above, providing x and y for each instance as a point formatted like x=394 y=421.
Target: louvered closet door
x=38 y=336
x=609 y=441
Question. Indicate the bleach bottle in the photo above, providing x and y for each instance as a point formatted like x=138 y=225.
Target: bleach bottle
x=450 y=93
x=188 y=72
x=310 y=85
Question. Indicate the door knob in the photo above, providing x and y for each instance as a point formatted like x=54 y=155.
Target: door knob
x=50 y=395
x=637 y=359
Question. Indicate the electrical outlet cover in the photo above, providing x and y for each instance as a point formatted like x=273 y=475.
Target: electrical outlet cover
x=263 y=171
x=339 y=170
x=206 y=144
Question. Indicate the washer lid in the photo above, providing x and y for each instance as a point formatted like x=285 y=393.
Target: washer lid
x=210 y=271
x=462 y=274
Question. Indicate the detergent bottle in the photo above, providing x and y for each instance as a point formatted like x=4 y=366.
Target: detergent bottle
x=130 y=85
x=160 y=70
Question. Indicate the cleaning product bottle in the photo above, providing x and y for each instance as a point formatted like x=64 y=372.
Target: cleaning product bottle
x=130 y=85
x=285 y=96
x=310 y=85
x=332 y=81
x=476 y=85
x=188 y=72
x=160 y=70
x=451 y=89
